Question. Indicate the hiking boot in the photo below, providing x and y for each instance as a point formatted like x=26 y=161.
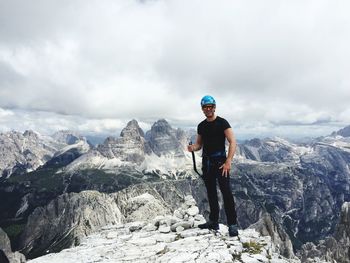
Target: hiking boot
x=209 y=225
x=233 y=230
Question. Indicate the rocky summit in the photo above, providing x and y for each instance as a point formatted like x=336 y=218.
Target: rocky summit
x=170 y=238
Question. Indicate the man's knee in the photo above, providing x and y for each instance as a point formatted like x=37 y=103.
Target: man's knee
x=225 y=188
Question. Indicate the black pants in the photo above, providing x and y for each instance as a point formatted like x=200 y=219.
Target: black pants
x=212 y=174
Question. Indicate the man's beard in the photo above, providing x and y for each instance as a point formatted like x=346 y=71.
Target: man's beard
x=209 y=114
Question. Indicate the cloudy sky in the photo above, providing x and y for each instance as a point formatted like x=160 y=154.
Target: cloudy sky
x=277 y=68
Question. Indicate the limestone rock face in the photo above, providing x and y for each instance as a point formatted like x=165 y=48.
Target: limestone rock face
x=305 y=187
x=21 y=153
x=270 y=150
x=343 y=228
x=65 y=220
x=267 y=227
x=161 y=152
x=4 y=242
x=67 y=137
x=165 y=140
x=342 y=234
x=130 y=146
x=345 y=132
x=332 y=249
x=6 y=254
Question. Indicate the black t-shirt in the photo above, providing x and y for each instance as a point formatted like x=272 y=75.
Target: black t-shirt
x=212 y=133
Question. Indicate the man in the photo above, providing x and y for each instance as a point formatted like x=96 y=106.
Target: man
x=211 y=135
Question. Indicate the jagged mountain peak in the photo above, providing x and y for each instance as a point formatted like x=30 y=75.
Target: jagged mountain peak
x=67 y=137
x=163 y=139
x=109 y=139
x=31 y=134
x=256 y=142
x=345 y=132
x=7 y=133
x=130 y=146
x=162 y=121
x=161 y=126
x=132 y=122
x=132 y=130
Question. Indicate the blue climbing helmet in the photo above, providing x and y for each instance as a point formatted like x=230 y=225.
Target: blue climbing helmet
x=207 y=99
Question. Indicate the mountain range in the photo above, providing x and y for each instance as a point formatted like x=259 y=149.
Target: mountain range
x=301 y=186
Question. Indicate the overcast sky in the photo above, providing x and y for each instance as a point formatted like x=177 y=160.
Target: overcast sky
x=277 y=68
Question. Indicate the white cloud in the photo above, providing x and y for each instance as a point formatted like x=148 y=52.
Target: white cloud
x=5 y=113
x=275 y=63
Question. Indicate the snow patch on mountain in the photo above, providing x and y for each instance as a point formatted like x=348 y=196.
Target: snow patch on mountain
x=166 y=165
x=338 y=141
x=94 y=160
x=275 y=150
x=81 y=146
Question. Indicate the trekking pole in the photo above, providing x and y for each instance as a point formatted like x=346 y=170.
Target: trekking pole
x=194 y=161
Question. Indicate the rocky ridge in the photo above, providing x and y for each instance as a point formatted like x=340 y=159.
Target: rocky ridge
x=303 y=186
x=344 y=132
x=68 y=218
x=334 y=248
x=25 y=152
x=170 y=238
x=266 y=226
x=275 y=150
x=162 y=151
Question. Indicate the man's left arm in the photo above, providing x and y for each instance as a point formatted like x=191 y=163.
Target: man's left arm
x=226 y=167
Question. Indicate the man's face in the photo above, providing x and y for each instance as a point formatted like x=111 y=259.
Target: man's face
x=208 y=110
